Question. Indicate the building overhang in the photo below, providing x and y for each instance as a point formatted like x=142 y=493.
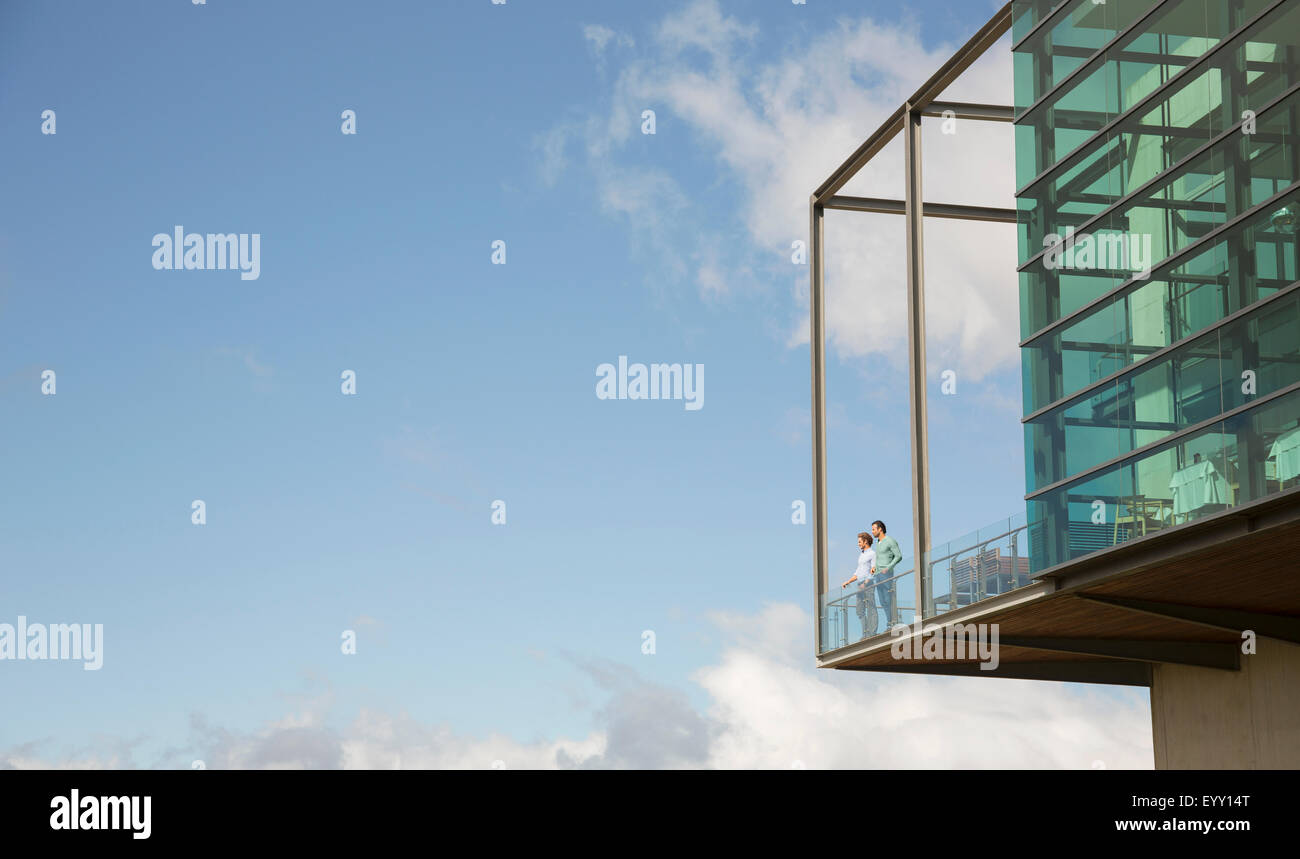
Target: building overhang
x=1184 y=595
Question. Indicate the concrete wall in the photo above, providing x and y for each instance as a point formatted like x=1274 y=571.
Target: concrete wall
x=1205 y=718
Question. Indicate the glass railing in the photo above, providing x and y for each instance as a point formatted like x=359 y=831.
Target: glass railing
x=985 y=563
x=853 y=613
x=993 y=560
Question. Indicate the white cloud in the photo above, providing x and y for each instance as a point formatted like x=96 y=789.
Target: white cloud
x=767 y=708
x=702 y=25
x=712 y=280
x=551 y=145
x=101 y=753
x=640 y=194
x=779 y=124
x=600 y=36
x=773 y=711
x=248 y=356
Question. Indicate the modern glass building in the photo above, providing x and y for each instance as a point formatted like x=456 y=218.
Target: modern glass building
x=1157 y=147
x=1158 y=161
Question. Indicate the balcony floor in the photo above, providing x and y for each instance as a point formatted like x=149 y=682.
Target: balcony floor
x=1183 y=595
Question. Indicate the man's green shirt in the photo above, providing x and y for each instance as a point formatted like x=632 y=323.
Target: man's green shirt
x=887 y=554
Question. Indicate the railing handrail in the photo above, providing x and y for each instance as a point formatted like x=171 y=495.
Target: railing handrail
x=1024 y=527
x=852 y=593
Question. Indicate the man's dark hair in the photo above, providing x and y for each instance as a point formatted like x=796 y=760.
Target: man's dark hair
x=883 y=530
x=865 y=536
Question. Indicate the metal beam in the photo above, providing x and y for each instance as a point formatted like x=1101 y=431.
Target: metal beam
x=966 y=110
x=967 y=54
x=956 y=211
x=914 y=206
x=867 y=204
x=1280 y=626
x=906 y=118
x=1203 y=653
x=861 y=156
x=963 y=212
x=817 y=315
x=1113 y=672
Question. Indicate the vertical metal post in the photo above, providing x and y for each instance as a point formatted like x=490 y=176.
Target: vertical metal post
x=916 y=356
x=817 y=346
x=1015 y=559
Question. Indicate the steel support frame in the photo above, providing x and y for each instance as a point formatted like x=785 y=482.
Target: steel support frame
x=920 y=442
x=906 y=120
x=817 y=314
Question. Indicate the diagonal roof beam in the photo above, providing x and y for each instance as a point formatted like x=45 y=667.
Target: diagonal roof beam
x=966 y=55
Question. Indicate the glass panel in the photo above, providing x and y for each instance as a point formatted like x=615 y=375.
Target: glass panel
x=1025 y=15
x=1247 y=72
x=1241 y=267
x=1042 y=61
x=1233 y=462
x=851 y=614
x=1202 y=193
x=1192 y=384
x=982 y=564
x=1139 y=64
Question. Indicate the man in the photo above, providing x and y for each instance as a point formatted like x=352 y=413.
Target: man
x=887 y=557
x=866 y=600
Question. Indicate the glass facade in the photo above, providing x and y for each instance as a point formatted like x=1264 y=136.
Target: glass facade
x=1158 y=158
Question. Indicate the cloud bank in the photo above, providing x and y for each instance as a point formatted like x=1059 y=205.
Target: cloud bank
x=766 y=708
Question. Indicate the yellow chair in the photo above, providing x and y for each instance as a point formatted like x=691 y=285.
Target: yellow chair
x=1143 y=514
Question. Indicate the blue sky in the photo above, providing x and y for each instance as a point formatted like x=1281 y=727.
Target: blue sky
x=475 y=382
